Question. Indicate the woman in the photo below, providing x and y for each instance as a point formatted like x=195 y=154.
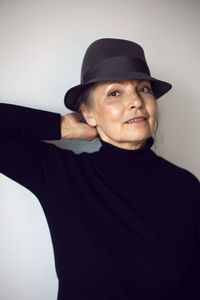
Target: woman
x=125 y=223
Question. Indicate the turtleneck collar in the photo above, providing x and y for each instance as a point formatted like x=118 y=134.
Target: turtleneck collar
x=124 y=157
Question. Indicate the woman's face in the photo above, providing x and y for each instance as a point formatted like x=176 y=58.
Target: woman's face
x=123 y=112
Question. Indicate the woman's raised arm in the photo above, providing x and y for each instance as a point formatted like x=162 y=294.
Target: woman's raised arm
x=28 y=124
x=24 y=157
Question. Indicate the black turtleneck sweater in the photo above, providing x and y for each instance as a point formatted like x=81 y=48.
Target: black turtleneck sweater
x=125 y=224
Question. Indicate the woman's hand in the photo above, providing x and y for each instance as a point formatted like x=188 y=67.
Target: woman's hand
x=73 y=126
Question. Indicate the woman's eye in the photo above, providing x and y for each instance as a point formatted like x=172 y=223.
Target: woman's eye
x=145 y=89
x=114 y=93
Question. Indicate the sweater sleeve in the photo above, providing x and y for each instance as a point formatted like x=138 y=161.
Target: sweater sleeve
x=22 y=150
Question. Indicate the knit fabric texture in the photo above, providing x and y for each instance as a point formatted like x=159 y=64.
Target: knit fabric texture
x=125 y=224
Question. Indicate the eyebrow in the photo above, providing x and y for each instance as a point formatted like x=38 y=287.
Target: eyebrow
x=110 y=82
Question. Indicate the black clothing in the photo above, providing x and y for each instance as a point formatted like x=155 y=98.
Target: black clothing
x=125 y=224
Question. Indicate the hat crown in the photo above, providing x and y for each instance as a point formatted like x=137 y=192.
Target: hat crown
x=107 y=48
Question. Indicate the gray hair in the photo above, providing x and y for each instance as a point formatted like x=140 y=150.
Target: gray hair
x=85 y=97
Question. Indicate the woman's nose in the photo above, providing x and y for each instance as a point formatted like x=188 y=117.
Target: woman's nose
x=135 y=101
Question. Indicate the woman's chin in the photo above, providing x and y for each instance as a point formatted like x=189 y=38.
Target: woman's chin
x=136 y=138
x=128 y=140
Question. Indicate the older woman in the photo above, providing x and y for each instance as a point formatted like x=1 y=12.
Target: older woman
x=125 y=223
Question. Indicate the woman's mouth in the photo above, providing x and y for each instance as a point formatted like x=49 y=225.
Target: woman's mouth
x=136 y=120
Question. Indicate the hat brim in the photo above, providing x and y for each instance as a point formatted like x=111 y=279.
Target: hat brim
x=159 y=87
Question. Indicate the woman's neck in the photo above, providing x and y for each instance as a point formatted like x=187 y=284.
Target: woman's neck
x=136 y=145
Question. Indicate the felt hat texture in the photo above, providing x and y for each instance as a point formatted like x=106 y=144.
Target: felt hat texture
x=113 y=59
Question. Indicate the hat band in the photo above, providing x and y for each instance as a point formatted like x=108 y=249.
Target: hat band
x=116 y=64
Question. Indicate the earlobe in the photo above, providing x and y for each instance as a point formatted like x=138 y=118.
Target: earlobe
x=88 y=115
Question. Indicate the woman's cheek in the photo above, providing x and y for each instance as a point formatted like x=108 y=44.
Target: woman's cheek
x=114 y=112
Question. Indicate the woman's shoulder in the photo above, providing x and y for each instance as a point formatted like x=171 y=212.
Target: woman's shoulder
x=175 y=170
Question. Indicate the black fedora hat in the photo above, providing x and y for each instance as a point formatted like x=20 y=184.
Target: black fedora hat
x=113 y=59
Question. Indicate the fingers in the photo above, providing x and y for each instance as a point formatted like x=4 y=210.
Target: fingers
x=74 y=126
x=80 y=117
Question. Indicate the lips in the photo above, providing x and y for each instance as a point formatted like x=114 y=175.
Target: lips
x=137 y=119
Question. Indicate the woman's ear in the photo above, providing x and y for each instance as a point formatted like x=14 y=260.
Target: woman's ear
x=88 y=115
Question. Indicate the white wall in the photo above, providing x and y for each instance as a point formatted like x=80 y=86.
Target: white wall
x=42 y=46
